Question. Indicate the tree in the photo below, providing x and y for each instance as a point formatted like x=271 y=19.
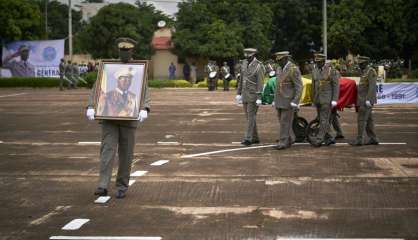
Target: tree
x=20 y=20
x=221 y=29
x=295 y=24
x=119 y=20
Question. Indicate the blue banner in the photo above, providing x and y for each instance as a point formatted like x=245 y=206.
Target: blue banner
x=397 y=93
x=42 y=61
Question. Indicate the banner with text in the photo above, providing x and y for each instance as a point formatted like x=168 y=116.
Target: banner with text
x=43 y=60
x=392 y=93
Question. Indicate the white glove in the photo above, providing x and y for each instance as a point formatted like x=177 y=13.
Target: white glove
x=273 y=104
x=258 y=102
x=143 y=114
x=90 y=113
x=238 y=99
x=294 y=105
x=334 y=104
x=368 y=103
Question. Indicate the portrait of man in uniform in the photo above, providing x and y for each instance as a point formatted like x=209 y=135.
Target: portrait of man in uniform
x=121 y=88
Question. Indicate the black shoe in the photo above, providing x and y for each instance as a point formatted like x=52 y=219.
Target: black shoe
x=121 y=194
x=281 y=146
x=372 y=142
x=329 y=141
x=255 y=142
x=339 y=136
x=246 y=143
x=101 y=192
x=356 y=143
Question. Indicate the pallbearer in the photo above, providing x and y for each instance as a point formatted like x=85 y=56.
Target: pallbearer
x=249 y=91
x=366 y=98
x=325 y=91
x=286 y=100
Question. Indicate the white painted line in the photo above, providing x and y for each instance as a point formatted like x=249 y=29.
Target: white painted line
x=101 y=238
x=168 y=143
x=138 y=173
x=89 y=143
x=78 y=157
x=102 y=199
x=47 y=216
x=290 y=238
x=75 y=224
x=1 y=141
x=236 y=142
x=131 y=182
x=159 y=162
x=265 y=146
x=12 y=95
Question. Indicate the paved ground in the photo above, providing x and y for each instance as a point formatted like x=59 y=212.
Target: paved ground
x=47 y=178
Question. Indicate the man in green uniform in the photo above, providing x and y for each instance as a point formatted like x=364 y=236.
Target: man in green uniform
x=62 y=72
x=366 y=98
x=286 y=100
x=249 y=91
x=325 y=91
x=118 y=135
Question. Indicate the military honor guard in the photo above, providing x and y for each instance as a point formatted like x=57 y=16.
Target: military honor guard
x=366 y=98
x=226 y=75
x=287 y=96
x=118 y=135
x=212 y=70
x=250 y=87
x=325 y=91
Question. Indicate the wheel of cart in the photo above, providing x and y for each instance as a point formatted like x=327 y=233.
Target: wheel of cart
x=299 y=126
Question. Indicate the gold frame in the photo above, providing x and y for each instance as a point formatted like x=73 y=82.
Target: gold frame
x=98 y=90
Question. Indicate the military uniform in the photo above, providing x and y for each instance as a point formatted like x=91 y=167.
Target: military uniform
x=62 y=71
x=250 y=88
x=117 y=135
x=212 y=82
x=325 y=89
x=68 y=73
x=288 y=92
x=21 y=68
x=225 y=70
x=366 y=98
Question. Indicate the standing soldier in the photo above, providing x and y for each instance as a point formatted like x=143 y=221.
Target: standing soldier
x=286 y=100
x=68 y=73
x=76 y=74
x=211 y=70
x=226 y=76
x=118 y=135
x=325 y=91
x=366 y=98
x=62 y=71
x=249 y=92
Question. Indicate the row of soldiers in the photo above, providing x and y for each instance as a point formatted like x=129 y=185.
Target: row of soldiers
x=70 y=73
x=214 y=73
x=288 y=93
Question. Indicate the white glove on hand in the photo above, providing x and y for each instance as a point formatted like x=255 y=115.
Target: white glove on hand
x=368 y=103
x=273 y=104
x=238 y=99
x=294 y=105
x=258 y=102
x=143 y=114
x=334 y=104
x=90 y=113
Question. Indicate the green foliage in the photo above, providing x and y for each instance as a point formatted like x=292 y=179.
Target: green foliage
x=221 y=29
x=169 y=83
x=90 y=78
x=58 y=19
x=120 y=20
x=295 y=24
x=29 y=82
x=20 y=19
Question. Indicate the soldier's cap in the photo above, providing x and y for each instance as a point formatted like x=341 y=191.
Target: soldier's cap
x=282 y=54
x=23 y=47
x=124 y=72
x=319 y=57
x=250 y=51
x=126 y=43
x=362 y=59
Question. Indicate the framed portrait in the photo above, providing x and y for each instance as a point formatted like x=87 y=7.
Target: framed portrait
x=120 y=89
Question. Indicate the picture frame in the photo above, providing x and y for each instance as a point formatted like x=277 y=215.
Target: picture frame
x=120 y=89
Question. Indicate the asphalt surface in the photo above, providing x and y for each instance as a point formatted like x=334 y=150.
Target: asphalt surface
x=48 y=178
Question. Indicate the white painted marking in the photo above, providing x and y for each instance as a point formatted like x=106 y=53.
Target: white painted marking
x=168 y=143
x=236 y=142
x=169 y=136
x=12 y=95
x=75 y=224
x=138 y=173
x=78 y=157
x=44 y=218
x=101 y=238
x=131 y=182
x=102 y=199
x=89 y=143
x=290 y=238
x=1 y=141
x=159 y=162
x=265 y=146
